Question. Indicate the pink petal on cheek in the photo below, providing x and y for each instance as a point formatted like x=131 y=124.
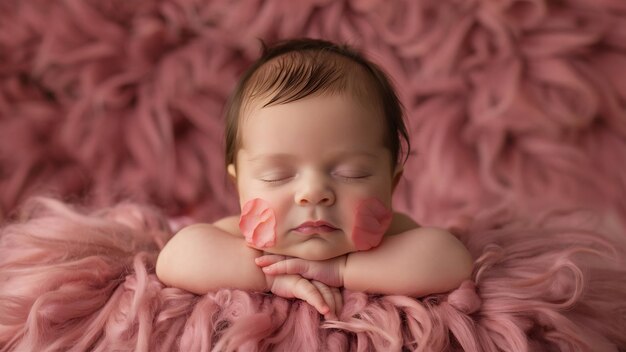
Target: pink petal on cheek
x=371 y=221
x=258 y=223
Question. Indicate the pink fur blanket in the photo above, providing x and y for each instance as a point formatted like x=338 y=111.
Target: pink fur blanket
x=517 y=114
x=86 y=281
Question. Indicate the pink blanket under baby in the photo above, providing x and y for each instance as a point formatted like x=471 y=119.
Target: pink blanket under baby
x=86 y=281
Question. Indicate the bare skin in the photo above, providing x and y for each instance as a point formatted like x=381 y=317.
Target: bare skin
x=325 y=155
x=202 y=258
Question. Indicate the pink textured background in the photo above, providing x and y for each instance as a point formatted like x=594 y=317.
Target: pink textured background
x=513 y=107
x=507 y=101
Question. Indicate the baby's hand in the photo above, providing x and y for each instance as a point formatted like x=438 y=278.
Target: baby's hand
x=328 y=271
x=326 y=300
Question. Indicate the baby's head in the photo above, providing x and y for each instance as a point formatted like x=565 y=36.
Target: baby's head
x=314 y=140
x=300 y=68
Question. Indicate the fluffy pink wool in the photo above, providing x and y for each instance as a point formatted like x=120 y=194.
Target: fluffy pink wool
x=87 y=281
x=507 y=100
x=511 y=104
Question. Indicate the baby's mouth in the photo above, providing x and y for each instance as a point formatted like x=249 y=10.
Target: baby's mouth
x=315 y=227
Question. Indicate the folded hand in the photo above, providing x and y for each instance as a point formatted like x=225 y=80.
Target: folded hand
x=328 y=271
x=326 y=300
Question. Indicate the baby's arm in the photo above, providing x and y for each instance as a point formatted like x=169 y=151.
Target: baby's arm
x=415 y=262
x=202 y=258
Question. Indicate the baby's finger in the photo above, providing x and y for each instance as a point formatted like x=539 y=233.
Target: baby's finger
x=338 y=300
x=329 y=298
x=288 y=266
x=308 y=292
x=269 y=259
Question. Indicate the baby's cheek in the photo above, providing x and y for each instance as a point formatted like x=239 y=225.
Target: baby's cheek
x=371 y=220
x=258 y=223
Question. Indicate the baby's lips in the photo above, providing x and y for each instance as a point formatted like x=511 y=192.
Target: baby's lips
x=258 y=223
x=372 y=219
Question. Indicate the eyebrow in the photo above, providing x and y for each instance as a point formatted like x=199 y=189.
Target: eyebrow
x=287 y=156
x=271 y=156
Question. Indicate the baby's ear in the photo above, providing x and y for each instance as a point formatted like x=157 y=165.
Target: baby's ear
x=397 y=175
x=232 y=172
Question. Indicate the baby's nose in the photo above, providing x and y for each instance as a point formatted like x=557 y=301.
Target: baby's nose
x=315 y=192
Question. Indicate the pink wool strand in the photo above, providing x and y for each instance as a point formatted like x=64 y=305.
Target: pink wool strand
x=74 y=279
x=506 y=100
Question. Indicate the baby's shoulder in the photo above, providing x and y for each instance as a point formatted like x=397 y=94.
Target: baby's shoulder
x=401 y=222
x=229 y=224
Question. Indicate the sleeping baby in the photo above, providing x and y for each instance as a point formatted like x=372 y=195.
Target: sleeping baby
x=315 y=144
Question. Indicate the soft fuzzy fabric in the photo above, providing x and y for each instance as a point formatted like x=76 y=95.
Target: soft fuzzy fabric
x=507 y=100
x=88 y=282
x=514 y=107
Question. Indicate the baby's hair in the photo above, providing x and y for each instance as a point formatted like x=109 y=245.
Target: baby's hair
x=295 y=69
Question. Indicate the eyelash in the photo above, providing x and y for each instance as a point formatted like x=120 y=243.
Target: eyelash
x=348 y=178
x=275 y=181
x=354 y=178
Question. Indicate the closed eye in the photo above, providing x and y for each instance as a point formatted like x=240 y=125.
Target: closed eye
x=275 y=179
x=352 y=176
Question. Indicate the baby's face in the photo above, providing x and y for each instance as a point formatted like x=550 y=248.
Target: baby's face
x=317 y=160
